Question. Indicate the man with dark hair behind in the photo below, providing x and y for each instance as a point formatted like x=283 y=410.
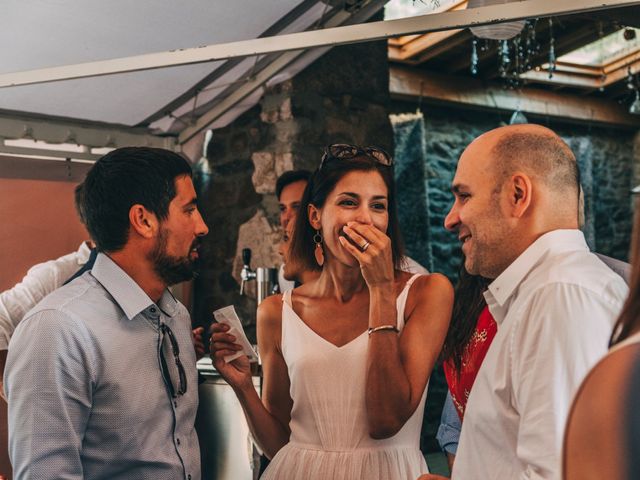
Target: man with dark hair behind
x=289 y=189
x=101 y=375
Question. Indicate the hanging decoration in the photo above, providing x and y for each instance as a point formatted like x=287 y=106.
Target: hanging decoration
x=552 y=50
x=515 y=56
x=518 y=118
x=633 y=84
x=519 y=51
x=635 y=106
x=497 y=31
x=505 y=60
x=474 y=56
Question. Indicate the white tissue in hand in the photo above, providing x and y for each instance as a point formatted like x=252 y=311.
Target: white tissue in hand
x=228 y=316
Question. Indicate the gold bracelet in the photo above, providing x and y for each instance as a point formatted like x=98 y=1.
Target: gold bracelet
x=382 y=328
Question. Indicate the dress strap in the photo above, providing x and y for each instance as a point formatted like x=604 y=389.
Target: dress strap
x=407 y=285
x=401 y=302
x=286 y=297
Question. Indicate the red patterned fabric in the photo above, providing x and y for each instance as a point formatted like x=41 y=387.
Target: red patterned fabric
x=472 y=357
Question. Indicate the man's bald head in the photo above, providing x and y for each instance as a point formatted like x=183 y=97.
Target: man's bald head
x=538 y=152
x=512 y=185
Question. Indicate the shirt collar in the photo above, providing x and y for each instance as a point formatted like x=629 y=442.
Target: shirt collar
x=125 y=291
x=556 y=241
x=83 y=253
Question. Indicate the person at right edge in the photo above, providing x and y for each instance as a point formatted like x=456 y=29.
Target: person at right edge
x=516 y=192
x=602 y=438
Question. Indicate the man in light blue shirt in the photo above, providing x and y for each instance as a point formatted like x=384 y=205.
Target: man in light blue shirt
x=100 y=376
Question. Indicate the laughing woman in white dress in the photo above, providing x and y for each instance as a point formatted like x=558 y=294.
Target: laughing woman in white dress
x=346 y=358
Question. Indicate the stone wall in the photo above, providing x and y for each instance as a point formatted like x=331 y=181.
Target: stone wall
x=342 y=97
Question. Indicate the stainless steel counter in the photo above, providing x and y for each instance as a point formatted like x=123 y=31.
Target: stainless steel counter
x=227 y=450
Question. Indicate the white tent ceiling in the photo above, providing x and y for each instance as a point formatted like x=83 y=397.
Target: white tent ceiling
x=45 y=33
x=105 y=111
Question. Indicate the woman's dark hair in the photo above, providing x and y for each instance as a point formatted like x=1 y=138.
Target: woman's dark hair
x=468 y=303
x=321 y=184
x=120 y=179
x=629 y=320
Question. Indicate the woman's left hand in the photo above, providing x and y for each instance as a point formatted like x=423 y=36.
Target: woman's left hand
x=374 y=255
x=198 y=343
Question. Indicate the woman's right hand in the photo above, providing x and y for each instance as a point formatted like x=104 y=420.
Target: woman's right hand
x=237 y=372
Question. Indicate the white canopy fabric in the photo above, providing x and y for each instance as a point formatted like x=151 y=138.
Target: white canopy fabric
x=44 y=33
x=104 y=111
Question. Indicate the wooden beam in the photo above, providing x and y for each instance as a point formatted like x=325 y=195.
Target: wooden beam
x=425 y=47
x=405 y=83
x=623 y=62
x=459 y=5
x=403 y=40
x=587 y=70
x=590 y=78
x=562 y=78
x=621 y=73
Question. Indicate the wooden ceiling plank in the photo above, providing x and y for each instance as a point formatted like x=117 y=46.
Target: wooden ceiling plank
x=437 y=42
x=472 y=93
x=400 y=41
x=564 y=79
x=623 y=62
x=621 y=73
x=580 y=69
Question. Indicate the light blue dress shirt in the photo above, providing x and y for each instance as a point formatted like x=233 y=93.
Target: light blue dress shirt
x=87 y=398
x=448 y=434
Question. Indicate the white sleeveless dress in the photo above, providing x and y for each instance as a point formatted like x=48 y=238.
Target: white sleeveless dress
x=329 y=436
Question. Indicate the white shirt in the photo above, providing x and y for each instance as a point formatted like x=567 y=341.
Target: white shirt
x=40 y=281
x=283 y=282
x=555 y=307
x=411 y=266
x=621 y=268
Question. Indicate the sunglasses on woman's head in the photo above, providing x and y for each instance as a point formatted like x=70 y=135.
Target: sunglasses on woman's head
x=345 y=151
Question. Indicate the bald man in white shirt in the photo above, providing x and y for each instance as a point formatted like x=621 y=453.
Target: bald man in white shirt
x=516 y=194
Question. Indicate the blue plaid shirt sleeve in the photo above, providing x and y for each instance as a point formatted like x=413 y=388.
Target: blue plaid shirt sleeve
x=448 y=434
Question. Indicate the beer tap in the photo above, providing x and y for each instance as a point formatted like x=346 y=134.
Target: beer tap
x=246 y=274
x=266 y=278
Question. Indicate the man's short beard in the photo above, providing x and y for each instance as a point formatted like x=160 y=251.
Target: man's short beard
x=171 y=270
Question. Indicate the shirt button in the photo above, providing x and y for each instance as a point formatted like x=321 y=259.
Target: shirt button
x=175 y=404
x=152 y=310
x=178 y=441
x=189 y=477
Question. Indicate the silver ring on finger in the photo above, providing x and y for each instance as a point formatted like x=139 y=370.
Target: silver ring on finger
x=365 y=246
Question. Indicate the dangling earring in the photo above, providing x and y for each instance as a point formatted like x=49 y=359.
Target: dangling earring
x=318 y=252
